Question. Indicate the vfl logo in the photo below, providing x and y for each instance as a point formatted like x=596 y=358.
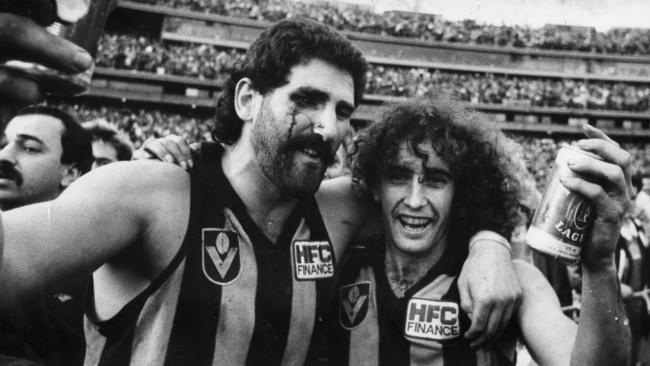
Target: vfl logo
x=221 y=264
x=431 y=319
x=354 y=300
x=313 y=260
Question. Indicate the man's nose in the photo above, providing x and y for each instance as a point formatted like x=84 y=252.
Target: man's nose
x=325 y=124
x=7 y=153
x=415 y=197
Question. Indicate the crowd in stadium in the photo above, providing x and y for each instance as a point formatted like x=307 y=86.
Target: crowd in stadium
x=141 y=123
x=209 y=62
x=145 y=54
x=428 y=27
x=249 y=254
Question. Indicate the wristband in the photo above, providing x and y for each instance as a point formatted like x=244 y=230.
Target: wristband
x=491 y=236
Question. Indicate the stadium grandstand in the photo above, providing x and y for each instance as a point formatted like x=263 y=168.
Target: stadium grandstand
x=161 y=64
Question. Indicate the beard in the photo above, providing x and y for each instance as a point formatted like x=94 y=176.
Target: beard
x=280 y=154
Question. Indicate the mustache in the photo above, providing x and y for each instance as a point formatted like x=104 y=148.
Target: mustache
x=7 y=170
x=314 y=142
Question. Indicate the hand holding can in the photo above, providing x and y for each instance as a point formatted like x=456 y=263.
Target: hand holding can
x=596 y=171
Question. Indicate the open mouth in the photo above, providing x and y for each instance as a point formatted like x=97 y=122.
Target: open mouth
x=5 y=176
x=312 y=153
x=414 y=224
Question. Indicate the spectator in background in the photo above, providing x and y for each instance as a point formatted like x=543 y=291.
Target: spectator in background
x=44 y=150
x=109 y=144
x=633 y=271
x=641 y=208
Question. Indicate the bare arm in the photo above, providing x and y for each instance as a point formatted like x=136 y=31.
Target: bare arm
x=488 y=285
x=97 y=217
x=546 y=331
x=603 y=335
x=601 y=338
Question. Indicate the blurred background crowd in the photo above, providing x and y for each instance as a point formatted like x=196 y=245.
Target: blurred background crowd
x=210 y=62
x=428 y=27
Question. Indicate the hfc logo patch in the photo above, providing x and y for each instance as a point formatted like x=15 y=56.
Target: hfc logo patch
x=313 y=260
x=430 y=319
x=221 y=263
x=354 y=301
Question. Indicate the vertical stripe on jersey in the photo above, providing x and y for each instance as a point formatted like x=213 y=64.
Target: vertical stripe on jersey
x=426 y=351
x=274 y=292
x=459 y=352
x=155 y=322
x=193 y=332
x=237 y=313
x=94 y=343
x=302 y=322
x=364 y=339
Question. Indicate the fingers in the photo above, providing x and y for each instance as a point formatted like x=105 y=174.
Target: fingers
x=171 y=149
x=178 y=151
x=465 y=297
x=21 y=38
x=593 y=132
x=477 y=331
x=607 y=150
x=42 y=11
x=610 y=175
x=490 y=323
x=17 y=89
x=142 y=154
x=504 y=319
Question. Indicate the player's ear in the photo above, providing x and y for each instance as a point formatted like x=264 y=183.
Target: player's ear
x=69 y=174
x=245 y=99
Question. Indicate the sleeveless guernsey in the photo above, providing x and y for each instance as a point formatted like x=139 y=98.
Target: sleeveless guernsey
x=229 y=296
x=370 y=326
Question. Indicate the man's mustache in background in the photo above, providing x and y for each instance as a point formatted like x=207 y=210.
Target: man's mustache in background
x=8 y=171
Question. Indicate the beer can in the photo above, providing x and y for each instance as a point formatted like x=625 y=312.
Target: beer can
x=90 y=17
x=563 y=219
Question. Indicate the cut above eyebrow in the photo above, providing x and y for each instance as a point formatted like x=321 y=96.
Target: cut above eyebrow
x=317 y=96
x=307 y=92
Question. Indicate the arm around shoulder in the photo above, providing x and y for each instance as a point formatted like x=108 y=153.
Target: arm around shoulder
x=347 y=215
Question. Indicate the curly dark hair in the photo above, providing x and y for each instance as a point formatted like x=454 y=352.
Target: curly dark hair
x=486 y=166
x=271 y=57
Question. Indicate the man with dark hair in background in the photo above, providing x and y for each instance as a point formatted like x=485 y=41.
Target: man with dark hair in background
x=43 y=151
x=633 y=273
x=232 y=262
x=109 y=143
x=641 y=181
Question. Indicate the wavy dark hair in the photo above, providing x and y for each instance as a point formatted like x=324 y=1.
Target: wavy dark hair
x=271 y=57
x=102 y=130
x=487 y=167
